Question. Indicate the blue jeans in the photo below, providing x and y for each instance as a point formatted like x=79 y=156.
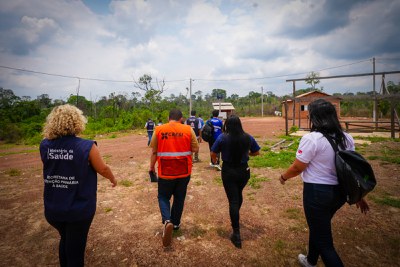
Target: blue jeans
x=73 y=237
x=320 y=205
x=168 y=188
x=234 y=179
x=150 y=135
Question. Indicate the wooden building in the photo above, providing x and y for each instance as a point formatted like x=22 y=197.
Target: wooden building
x=302 y=101
x=225 y=109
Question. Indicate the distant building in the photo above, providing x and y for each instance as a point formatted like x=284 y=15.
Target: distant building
x=302 y=102
x=225 y=109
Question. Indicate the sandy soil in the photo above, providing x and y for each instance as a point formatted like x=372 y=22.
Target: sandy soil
x=126 y=230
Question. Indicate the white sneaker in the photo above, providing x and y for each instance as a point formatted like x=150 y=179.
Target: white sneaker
x=218 y=167
x=211 y=165
x=304 y=262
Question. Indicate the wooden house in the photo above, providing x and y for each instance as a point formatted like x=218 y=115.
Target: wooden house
x=302 y=101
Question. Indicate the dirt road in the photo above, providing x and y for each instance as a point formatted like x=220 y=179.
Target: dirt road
x=126 y=230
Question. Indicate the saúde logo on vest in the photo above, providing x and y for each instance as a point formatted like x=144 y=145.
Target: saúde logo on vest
x=62 y=154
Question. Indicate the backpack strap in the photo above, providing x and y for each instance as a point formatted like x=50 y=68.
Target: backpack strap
x=333 y=144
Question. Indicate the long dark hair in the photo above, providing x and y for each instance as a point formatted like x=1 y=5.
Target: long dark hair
x=324 y=119
x=238 y=141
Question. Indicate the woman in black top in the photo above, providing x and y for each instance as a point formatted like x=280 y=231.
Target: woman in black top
x=235 y=146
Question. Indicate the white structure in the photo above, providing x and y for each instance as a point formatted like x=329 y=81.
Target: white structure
x=225 y=109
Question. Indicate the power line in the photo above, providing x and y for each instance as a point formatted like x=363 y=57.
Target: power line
x=181 y=80
x=286 y=75
x=75 y=77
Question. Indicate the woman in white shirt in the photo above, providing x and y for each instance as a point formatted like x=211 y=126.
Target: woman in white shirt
x=322 y=196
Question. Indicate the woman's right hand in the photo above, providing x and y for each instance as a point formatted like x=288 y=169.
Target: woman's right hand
x=363 y=206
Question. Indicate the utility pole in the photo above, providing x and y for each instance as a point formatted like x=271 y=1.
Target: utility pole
x=262 y=101
x=374 y=92
x=190 y=97
x=77 y=91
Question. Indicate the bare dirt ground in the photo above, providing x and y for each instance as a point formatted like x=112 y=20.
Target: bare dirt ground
x=126 y=230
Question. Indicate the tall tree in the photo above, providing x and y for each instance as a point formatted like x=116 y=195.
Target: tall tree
x=7 y=98
x=152 y=95
x=312 y=79
x=218 y=93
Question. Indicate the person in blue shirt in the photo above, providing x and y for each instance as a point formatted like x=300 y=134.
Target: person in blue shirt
x=195 y=123
x=201 y=121
x=217 y=123
x=236 y=146
x=70 y=167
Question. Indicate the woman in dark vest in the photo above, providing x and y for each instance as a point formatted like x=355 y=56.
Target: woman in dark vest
x=70 y=167
x=235 y=147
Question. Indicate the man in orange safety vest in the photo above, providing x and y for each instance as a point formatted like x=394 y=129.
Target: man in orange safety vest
x=172 y=146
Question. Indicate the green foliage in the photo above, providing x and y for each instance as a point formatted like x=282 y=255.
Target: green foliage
x=10 y=133
x=312 y=79
x=22 y=119
x=294 y=129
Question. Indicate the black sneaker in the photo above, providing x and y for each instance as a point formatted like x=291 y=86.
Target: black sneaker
x=236 y=240
x=176 y=227
x=167 y=233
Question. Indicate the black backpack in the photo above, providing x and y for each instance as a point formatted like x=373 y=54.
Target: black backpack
x=355 y=175
x=207 y=132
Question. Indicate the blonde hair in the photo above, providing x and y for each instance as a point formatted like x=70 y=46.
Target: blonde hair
x=64 y=120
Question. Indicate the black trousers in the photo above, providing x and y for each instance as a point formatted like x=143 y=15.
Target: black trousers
x=73 y=237
x=234 y=179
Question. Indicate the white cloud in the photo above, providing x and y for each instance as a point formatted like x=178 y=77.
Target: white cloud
x=234 y=41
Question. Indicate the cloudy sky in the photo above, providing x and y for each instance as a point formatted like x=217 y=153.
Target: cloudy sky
x=236 y=45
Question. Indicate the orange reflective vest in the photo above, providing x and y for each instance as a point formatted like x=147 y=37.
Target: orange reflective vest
x=174 y=152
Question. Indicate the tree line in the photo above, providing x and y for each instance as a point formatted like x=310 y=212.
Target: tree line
x=22 y=118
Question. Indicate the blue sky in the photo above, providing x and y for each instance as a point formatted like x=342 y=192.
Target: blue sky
x=239 y=46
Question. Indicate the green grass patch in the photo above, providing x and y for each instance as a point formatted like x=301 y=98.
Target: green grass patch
x=113 y=136
x=387 y=200
x=197 y=231
x=107 y=210
x=255 y=182
x=19 y=152
x=14 y=172
x=126 y=183
x=281 y=159
x=293 y=213
x=251 y=195
x=198 y=183
x=375 y=139
x=280 y=245
x=218 y=180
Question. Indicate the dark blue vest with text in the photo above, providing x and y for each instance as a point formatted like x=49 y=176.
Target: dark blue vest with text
x=70 y=182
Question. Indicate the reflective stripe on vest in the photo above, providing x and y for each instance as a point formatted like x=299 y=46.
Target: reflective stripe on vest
x=174 y=154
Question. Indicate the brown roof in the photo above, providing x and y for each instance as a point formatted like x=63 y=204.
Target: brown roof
x=312 y=92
